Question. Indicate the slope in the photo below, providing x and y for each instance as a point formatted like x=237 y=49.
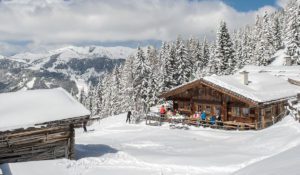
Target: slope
x=113 y=147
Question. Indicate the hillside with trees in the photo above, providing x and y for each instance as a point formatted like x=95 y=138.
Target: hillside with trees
x=136 y=84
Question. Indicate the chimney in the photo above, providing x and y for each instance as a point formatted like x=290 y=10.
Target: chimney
x=288 y=61
x=244 y=77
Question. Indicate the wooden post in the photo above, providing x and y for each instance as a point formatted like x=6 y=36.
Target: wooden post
x=146 y=119
x=72 y=142
x=224 y=110
x=256 y=126
x=263 y=114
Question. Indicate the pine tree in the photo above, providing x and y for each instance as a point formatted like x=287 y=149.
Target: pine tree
x=240 y=60
x=276 y=33
x=107 y=94
x=264 y=49
x=212 y=66
x=171 y=67
x=162 y=73
x=155 y=67
x=98 y=98
x=116 y=90
x=198 y=62
x=128 y=95
x=205 y=52
x=248 y=45
x=292 y=27
x=142 y=79
x=89 y=100
x=224 y=51
x=184 y=68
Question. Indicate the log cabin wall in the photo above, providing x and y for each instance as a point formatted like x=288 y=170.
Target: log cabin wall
x=200 y=95
x=270 y=112
x=37 y=144
x=214 y=102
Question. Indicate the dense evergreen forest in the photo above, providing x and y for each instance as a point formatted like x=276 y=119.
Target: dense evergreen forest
x=136 y=84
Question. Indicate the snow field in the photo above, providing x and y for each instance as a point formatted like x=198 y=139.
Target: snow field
x=113 y=147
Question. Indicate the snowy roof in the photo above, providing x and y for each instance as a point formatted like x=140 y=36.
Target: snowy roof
x=262 y=87
x=285 y=72
x=26 y=108
x=266 y=83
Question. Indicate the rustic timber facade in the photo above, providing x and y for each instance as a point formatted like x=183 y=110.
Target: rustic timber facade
x=208 y=94
x=30 y=134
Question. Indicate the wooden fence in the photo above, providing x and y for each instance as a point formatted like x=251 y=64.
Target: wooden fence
x=225 y=125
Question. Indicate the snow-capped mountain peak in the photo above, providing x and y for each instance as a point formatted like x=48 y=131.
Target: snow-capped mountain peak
x=69 y=52
x=68 y=67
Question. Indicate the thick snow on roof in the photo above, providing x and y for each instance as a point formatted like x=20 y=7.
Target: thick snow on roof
x=285 y=72
x=26 y=108
x=262 y=86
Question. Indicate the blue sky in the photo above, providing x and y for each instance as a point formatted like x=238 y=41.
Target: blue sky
x=249 y=5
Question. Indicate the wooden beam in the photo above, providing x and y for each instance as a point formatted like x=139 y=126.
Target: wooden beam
x=203 y=101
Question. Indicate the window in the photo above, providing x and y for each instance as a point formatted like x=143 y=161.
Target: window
x=181 y=105
x=268 y=112
x=199 y=108
x=209 y=92
x=200 y=91
x=252 y=111
x=189 y=106
x=235 y=111
x=208 y=109
x=245 y=111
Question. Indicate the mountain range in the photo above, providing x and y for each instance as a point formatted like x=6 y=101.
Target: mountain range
x=70 y=67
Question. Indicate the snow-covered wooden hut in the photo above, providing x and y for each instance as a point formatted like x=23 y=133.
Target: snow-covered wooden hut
x=255 y=95
x=38 y=124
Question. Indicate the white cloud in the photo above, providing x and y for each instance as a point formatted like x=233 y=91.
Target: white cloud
x=282 y=3
x=57 y=22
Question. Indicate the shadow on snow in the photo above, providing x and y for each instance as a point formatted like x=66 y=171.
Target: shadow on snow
x=92 y=150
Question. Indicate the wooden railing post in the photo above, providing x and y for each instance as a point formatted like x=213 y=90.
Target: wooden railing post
x=72 y=142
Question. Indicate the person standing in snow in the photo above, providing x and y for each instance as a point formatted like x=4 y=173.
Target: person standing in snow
x=196 y=115
x=84 y=125
x=212 y=120
x=128 y=119
x=203 y=116
x=162 y=111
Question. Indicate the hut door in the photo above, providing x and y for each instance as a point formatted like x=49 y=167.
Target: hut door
x=175 y=105
x=197 y=107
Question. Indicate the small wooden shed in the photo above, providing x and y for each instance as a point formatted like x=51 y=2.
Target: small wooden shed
x=257 y=98
x=39 y=125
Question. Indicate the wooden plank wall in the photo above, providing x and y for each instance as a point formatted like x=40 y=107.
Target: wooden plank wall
x=37 y=144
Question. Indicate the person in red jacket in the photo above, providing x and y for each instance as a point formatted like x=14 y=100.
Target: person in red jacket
x=162 y=111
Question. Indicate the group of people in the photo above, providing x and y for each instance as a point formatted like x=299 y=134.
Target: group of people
x=203 y=117
x=163 y=112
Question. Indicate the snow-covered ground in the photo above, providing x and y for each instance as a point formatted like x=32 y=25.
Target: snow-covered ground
x=113 y=148
x=279 y=58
